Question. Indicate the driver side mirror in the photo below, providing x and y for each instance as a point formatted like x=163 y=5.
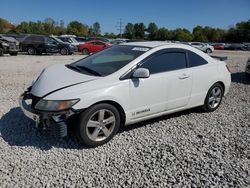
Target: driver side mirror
x=141 y=73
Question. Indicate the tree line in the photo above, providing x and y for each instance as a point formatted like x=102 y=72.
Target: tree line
x=50 y=27
x=238 y=33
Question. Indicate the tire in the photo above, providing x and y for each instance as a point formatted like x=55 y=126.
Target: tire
x=92 y=130
x=13 y=54
x=208 y=51
x=1 y=52
x=85 y=51
x=31 y=51
x=64 y=51
x=213 y=98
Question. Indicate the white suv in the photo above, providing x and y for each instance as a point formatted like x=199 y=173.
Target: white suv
x=122 y=85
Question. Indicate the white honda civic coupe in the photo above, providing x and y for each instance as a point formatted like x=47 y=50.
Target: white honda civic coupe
x=122 y=85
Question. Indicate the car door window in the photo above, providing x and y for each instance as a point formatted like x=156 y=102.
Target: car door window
x=165 y=62
x=195 y=60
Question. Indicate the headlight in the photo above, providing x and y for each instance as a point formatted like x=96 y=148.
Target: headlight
x=71 y=46
x=5 y=44
x=53 y=105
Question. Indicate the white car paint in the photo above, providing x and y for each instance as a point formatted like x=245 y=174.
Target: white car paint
x=141 y=99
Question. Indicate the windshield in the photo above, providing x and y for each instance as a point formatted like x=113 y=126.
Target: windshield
x=109 y=60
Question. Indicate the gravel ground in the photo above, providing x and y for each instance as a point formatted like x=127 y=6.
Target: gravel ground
x=190 y=148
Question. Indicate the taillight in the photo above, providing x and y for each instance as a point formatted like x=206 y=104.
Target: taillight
x=228 y=69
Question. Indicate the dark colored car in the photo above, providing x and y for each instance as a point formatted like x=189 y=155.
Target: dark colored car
x=38 y=44
x=80 y=39
x=93 y=47
x=8 y=45
x=236 y=46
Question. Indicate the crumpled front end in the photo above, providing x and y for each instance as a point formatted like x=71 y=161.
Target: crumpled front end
x=56 y=122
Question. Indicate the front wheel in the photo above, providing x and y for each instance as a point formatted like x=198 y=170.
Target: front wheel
x=98 y=124
x=213 y=98
x=31 y=51
x=64 y=51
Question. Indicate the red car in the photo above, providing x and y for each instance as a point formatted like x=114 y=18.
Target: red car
x=218 y=46
x=92 y=47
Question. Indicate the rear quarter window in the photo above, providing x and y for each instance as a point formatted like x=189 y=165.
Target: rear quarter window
x=195 y=60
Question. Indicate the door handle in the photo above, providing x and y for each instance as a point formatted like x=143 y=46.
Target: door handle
x=184 y=76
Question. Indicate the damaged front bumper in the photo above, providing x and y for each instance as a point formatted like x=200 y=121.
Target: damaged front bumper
x=54 y=121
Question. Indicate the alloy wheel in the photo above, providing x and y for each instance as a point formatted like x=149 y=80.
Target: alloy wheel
x=215 y=97
x=100 y=125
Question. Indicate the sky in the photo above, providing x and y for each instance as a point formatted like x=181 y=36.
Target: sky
x=171 y=14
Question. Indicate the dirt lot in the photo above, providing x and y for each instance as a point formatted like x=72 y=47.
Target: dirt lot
x=189 y=148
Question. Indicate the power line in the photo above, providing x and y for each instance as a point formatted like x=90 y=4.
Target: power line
x=120 y=26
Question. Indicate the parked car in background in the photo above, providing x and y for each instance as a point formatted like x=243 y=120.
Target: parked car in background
x=92 y=47
x=246 y=46
x=118 y=41
x=236 y=46
x=247 y=69
x=70 y=48
x=69 y=39
x=81 y=39
x=18 y=37
x=99 y=39
x=38 y=44
x=202 y=46
x=122 y=85
x=8 y=45
x=218 y=46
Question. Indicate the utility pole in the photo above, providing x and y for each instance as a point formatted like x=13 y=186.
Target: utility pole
x=120 y=26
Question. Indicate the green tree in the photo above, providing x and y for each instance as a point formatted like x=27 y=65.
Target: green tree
x=139 y=30
x=198 y=34
x=182 y=35
x=77 y=28
x=129 y=31
x=23 y=27
x=163 y=34
x=152 y=30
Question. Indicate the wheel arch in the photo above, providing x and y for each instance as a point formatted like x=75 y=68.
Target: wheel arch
x=118 y=106
x=222 y=84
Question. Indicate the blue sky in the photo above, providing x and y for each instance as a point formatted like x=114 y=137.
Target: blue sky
x=170 y=14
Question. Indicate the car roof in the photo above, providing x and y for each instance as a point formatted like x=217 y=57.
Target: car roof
x=152 y=44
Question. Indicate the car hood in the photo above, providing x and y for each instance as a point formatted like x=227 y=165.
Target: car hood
x=56 y=77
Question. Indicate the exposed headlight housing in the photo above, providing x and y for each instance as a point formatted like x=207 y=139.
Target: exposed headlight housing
x=55 y=105
x=5 y=44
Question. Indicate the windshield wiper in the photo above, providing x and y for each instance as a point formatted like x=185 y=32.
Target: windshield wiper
x=89 y=70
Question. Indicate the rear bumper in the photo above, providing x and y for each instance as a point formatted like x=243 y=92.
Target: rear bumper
x=54 y=121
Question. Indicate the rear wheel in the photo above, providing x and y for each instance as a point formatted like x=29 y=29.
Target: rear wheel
x=213 y=98
x=1 y=52
x=85 y=51
x=31 y=51
x=64 y=51
x=98 y=124
x=208 y=51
